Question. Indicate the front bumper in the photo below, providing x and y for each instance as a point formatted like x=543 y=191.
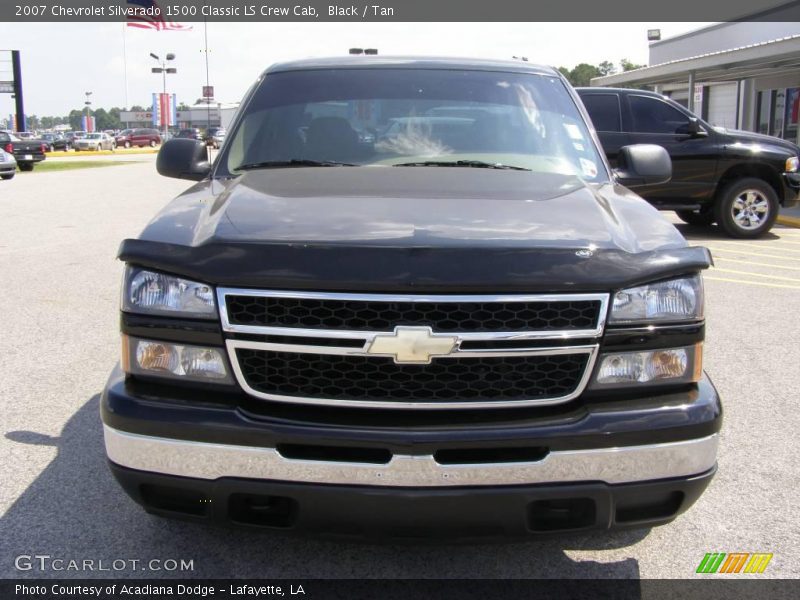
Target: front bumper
x=414 y=514
x=791 y=189
x=605 y=464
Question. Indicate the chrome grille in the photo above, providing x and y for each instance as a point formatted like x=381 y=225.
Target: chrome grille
x=371 y=315
x=340 y=349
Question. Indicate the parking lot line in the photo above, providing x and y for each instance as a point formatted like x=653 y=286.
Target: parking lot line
x=756 y=264
x=771 y=246
x=745 y=253
x=751 y=274
x=794 y=241
x=758 y=283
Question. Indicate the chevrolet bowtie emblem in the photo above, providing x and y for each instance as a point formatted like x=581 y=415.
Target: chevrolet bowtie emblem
x=412 y=345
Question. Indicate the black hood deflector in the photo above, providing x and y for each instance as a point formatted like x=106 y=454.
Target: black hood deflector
x=335 y=267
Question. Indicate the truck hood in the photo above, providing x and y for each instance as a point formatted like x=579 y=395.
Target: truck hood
x=749 y=137
x=411 y=228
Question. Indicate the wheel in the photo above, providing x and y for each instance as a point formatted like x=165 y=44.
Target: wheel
x=99 y=147
x=127 y=144
x=701 y=218
x=152 y=143
x=746 y=208
x=25 y=166
x=52 y=148
x=7 y=177
x=77 y=149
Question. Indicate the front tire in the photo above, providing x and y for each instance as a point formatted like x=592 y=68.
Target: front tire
x=698 y=218
x=7 y=177
x=747 y=208
x=152 y=143
x=127 y=144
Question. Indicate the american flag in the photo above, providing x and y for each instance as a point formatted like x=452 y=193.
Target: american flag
x=157 y=21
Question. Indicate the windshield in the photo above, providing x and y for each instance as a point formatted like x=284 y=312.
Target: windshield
x=414 y=117
x=92 y=136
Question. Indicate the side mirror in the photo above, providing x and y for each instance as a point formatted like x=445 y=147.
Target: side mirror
x=643 y=164
x=692 y=129
x=183 y=159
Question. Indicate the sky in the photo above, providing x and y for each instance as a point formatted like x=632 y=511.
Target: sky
x=62 y=61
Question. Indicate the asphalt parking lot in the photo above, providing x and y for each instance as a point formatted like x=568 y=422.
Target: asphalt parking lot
x=58 y=315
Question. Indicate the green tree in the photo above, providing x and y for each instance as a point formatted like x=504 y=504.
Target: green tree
x=75 y=119
x=113 y=115
x=183 y=106
x=582 y=74
x=606 y=68
x=628 y=65
x=137 y=108
x=101 y=119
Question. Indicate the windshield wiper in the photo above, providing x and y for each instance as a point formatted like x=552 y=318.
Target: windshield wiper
x=294 y=162
x=478 y=164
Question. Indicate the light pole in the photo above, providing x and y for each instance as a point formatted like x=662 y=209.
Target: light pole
x=164 y=70
x=88 y=103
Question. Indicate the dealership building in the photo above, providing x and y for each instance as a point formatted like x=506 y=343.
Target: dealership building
x=199 y=115
x=740 y=75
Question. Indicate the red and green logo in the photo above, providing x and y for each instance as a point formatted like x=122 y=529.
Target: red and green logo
x=734 y=562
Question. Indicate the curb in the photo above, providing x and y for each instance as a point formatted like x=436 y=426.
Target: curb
x=790 y=221
x=87 y=153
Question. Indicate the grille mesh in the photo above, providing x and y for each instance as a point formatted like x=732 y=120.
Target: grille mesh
x=342 y=377
x=440 y=316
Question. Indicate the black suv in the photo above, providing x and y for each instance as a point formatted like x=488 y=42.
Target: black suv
x=466 y=327
x=737 y=179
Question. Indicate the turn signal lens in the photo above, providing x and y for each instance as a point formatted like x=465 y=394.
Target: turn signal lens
x=152 y=356
x=174 y=361
x=673 y=365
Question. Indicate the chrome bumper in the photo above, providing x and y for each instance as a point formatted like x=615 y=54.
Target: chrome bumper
x=211 y=461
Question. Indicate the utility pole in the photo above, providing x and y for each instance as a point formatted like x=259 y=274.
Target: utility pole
x=208 y=84
x=88 y=103
x=18 y=102
x=164 y=69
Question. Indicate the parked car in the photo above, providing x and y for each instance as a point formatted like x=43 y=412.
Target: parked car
x=71 y=136
x=95 y=141
x=55 y=141
x=139 y=137
x=8 y=165
x=214 y=136
x=190 y=133
x=737 y=179
x=26 y=152
x=490 y=338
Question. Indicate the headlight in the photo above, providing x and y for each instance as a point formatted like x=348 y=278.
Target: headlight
x=671 y=365
x=154 y=293
x=792 y=164
x=673 y=300
x=174 y=361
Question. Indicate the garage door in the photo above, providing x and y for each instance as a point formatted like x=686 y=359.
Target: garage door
x=722 y=105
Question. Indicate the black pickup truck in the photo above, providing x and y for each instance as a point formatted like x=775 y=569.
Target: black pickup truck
x=737 y=179
x=26 y=152
x=467 y=327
